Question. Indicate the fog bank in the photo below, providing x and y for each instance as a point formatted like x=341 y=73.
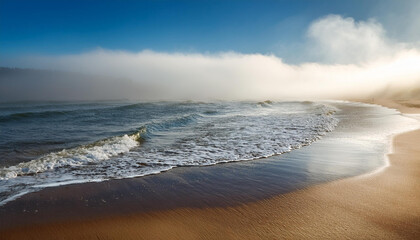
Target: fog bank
x=356 y=61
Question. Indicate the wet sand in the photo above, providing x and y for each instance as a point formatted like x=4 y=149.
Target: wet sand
x=380 y=206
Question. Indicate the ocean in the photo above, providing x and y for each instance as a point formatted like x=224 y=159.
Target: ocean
x=51 y=144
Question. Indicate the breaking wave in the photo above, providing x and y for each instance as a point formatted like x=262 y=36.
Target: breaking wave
x=91 y=153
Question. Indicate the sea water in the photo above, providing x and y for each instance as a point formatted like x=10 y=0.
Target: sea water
x=50 y=144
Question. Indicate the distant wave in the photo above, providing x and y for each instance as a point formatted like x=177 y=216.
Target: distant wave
x=17 y=116
x=173 y=122
x=130 y=106
x=56 y=113
x=26 y=115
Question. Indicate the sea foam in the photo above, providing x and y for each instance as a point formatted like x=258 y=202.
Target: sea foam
x=92 y=153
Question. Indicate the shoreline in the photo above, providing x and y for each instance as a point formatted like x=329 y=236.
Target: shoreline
x=356 y=203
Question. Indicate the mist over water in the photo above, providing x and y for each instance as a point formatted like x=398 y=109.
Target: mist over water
x=355 y=60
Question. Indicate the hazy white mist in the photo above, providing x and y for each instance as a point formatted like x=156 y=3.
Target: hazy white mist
x=356 y=60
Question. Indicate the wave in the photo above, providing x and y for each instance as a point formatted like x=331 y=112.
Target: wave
x=179 y=121
x=265 y=103
x=54 y=113
x=130 y=106
x=17 y=116
x=26 y=115
x=85 y=154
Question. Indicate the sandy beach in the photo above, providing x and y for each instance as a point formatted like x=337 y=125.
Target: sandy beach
x=384 y=205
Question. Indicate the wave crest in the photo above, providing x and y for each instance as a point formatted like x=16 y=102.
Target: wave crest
x=85 y=154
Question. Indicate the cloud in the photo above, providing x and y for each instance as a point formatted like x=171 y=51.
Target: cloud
x=343 y=40
x=361 y=63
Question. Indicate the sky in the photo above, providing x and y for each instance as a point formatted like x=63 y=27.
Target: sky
x=226 y=49
x=66 y=27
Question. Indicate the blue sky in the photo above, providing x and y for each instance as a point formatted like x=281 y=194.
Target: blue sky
x=277 y=27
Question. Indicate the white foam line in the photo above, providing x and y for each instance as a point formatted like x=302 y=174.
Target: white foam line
x=387 y=162
x=56 y=184
x=47 y=185
x=14 y=197
x=36 y=188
